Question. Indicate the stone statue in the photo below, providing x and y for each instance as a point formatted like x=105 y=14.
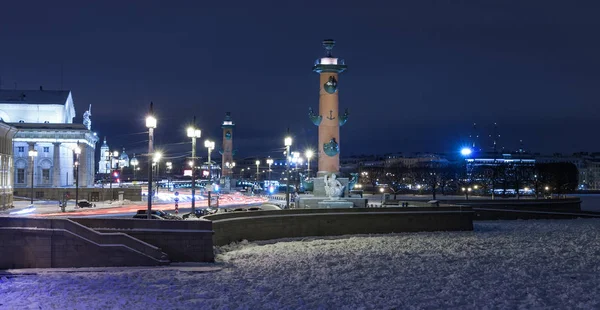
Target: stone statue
x=87 y=122
x=333 y=188
x=353 y=181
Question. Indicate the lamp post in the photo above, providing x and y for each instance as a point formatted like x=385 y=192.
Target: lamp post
x=269 y=162
x=77 y=151
x=110 y=155
x=309 y=154
x=467 y=191
x=134 y=162
x=288 y=143
x=229 y=167
x=300 y=161
x=257 y=165
x=194 y=133
x=209 y=145
x=151 y=125
x=156 y=159
x=32 y=153
x=169 y=173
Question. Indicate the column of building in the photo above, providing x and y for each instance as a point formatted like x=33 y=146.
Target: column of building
x=56 y=165
x=31 y=164
x=83 y=165
x=91 y=166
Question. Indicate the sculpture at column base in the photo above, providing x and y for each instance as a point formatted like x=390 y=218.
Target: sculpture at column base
x=333 y=188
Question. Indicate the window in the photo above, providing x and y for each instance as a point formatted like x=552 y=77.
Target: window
x=46 y=149
x=45 y=176
x=20 y=176
x=21 y=149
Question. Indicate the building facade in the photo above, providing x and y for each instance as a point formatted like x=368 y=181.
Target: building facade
x=7 y=133
x=44 y=128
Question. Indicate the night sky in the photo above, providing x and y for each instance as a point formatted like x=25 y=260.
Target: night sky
x=419 y=72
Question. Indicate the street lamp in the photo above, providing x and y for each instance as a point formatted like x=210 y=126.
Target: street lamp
x=77 y=151
x=300 y=161
x=467 y=191
x=32 y=153
x=156 y=160
x=209 y=145
x=269 y=162
x=309 y=154
x=194 y=133
x=257 y=165
x=288 y=143
x=229 y=167
x=151 y=125
x=134 y=162
x=109 y=156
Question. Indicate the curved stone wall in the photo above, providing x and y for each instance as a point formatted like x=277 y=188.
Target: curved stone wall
x=267 y=225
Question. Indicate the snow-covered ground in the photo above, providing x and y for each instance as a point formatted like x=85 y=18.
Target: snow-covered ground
x=547 y=264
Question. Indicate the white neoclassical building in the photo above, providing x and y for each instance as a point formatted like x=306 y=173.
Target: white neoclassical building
x=44 y=122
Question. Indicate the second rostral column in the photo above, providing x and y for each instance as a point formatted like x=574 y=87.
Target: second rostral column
x=329 y=120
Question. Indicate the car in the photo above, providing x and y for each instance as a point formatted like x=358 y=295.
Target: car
x=158 y=213
x=85 y=204
x=153 y=217
x=199 y=212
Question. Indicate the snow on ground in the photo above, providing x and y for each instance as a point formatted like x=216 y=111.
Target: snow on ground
x=503 y=264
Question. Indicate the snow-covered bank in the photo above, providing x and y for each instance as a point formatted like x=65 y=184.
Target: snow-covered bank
x=510 y=264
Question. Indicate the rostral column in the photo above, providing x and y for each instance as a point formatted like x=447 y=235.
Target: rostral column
x=328 y=119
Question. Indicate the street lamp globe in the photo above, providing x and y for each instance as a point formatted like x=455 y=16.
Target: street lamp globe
x=288 y=141
x=193 y=132
x=150 y=121
x=157 y=157
x=309 y=154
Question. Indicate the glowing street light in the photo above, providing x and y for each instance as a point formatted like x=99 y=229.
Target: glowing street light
x=309 y=154
x=269 y=162
x=151 y=125
x=230 y=167
x=210 y=146
x=257 y=165
x=288 y=143
x=194 y=133
x=134 y=162
x=33 y=154
x=77 y=152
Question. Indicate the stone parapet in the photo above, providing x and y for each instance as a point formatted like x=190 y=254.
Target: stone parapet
x=266 y=225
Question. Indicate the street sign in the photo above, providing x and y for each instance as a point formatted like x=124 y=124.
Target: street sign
x=176 y=199
x=176 y=193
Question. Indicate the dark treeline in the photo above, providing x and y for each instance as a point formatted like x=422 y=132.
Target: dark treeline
x=507 y=180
